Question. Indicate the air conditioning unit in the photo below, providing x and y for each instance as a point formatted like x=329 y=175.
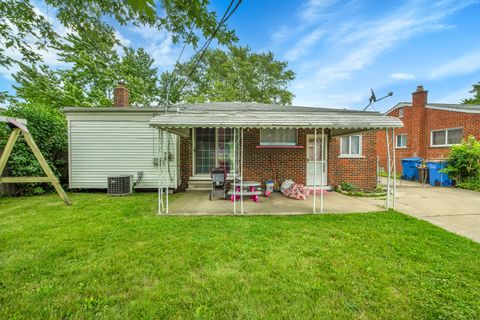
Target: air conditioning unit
x=119 y=185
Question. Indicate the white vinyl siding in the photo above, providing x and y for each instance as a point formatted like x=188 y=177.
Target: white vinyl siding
x=446 y=137
x=99 y=149
x=401 y=141
x=351 y=146
x=278 y=137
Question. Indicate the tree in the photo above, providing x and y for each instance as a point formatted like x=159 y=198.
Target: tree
x=93 y=69
x=141 y=78
x=26 y=31
x=476 y=95
x=237 y=74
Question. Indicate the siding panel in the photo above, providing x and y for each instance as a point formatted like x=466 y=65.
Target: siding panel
x=99 y=149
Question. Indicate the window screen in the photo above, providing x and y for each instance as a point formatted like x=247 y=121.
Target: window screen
x=401 y=141
x=278 y=137
x=351 y=145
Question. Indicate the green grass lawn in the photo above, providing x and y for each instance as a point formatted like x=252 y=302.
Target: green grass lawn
x=108 y=257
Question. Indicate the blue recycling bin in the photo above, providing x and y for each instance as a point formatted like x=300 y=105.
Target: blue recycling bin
x=438 y=178
x=410 y=168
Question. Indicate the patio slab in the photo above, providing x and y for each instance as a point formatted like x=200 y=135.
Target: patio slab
x=197 y=203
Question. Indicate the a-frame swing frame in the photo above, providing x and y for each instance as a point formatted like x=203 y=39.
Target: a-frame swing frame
x=18 y=127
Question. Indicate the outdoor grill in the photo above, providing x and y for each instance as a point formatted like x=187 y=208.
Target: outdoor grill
x=219 y=178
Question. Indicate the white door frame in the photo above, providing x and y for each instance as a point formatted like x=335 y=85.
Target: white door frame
x=325 y=173
x=194 y=138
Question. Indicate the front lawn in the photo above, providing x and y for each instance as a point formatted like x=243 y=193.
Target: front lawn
x=111 y=257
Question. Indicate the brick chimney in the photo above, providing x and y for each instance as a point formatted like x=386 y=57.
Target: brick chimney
x=419 y=136
x=121 y=96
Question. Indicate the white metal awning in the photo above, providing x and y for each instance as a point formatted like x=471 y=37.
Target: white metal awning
x=339 y=122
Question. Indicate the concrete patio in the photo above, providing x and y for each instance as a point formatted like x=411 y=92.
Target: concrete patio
x=197 y=203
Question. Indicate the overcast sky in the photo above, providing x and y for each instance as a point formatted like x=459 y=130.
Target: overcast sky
x=341 y=49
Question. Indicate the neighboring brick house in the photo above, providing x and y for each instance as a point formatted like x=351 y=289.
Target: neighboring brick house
x=430 y=129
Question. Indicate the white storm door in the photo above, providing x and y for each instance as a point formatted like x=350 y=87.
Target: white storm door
x=311 y=160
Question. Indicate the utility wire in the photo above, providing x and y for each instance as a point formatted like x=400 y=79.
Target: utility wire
x=224 y=19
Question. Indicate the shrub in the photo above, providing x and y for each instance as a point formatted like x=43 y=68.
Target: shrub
x=49 y=130
x=464 y=160
x=471 y=183
x=347 y=186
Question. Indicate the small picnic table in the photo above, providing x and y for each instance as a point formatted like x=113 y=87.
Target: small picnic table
x=250 y=189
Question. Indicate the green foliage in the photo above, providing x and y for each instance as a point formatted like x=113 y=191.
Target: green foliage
x=476 y=95
x=470 y=183
x=94 y=70
x=26 y=31
x=464 y=160
x=234 y=75
x=113 y=258
x=48 y=129
x=347 y=186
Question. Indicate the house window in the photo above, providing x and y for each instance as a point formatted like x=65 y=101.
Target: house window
x=278 y=137
x=400 y=112
x=401 y=141
x=351 y=146
x=446 y=137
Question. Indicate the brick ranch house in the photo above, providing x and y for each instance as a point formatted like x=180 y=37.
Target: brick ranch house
x=430 y=129
x=278 y=143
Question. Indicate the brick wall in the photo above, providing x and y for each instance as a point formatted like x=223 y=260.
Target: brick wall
x=361 y=172
x=418 y=122
x=185 y=162
x=291 y=163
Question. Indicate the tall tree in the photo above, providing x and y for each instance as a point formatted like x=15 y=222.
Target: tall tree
x=237 y=74
x=26 y=31
x=93 y=69
x=136 y=68
x=476 y=95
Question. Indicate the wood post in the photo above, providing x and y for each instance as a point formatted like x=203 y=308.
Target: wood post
x=43 y=163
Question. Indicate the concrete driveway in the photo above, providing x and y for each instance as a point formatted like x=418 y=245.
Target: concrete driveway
x=453 y=209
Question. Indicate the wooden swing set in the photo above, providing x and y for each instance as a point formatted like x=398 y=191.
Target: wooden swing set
x=19 y=126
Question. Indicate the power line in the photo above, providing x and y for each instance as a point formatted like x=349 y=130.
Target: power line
x=224 y=19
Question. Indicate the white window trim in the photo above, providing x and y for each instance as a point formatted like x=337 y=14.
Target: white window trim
x=446 y=137
x=350 y=155
x=279 y=145
x=396 y=141
x=401 y=112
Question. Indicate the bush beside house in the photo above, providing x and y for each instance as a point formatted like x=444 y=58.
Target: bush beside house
x=464 y=164
x=49 y=130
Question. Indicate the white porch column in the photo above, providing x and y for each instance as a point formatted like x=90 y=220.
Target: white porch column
x=315 y=171
x=321 y=170
x=394 y=146
x=234 y=171
x=241 y=170
x=159 y=164
x=387 y=205
x=167 y=167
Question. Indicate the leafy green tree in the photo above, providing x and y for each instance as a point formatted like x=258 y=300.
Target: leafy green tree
x=234 y=75
x=136 y=68
x=26 y=31
x=93 y=70
x=476 y=95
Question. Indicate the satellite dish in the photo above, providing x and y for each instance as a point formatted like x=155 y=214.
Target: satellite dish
x=373 y=98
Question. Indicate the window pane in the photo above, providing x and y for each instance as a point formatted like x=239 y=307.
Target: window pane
x=455 y=136
x=401 y=140
x=355 y=141
x=439 y=138
x=278 y=137
x=345 y=145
